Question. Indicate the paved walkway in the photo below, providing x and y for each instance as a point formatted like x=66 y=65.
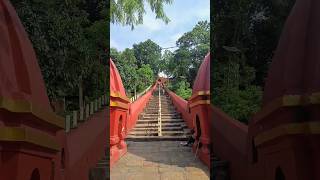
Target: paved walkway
x=155 y=160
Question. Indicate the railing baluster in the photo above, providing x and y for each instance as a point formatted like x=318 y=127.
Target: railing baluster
x=159 y=117
x=91 y=107
x=68 y=123
x=75 y=119
x=81 y=114
x=87 y=111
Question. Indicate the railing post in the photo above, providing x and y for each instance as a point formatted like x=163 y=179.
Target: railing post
x=99 y=103
x=75 y=119
x=159 y=117
x=87 y=111
x=91 y=107
x=81 y=114
x=68 y=123
x=95 y=105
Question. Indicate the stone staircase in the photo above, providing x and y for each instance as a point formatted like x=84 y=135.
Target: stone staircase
x=173 y=126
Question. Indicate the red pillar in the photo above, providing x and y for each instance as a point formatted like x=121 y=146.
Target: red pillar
x=118 y=123
x=119 y=105
x=199 y=105
x=29 y=144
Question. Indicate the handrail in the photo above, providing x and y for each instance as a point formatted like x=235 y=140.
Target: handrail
x=81 y=115
x=132 y=99
x=159 y=115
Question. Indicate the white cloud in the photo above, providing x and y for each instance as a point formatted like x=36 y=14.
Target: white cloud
x=184 y=15
x=151 y=24
x=176 y=36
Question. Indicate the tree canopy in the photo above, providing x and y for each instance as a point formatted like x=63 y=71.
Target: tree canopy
x=135 y=78
x=245 y=35
x=130 y=12
x=182 y=65
x=148 y=52
x=66 y=36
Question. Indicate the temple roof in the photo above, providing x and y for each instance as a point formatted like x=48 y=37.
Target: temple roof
x=116 y=85
x=20 y=75
x=295 y=67
x=202 y=81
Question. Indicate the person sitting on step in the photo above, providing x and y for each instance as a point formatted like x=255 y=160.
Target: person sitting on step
x=190 y=140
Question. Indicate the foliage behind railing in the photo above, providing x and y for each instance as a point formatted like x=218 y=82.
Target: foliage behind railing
x=140 y=94
x=84 y=113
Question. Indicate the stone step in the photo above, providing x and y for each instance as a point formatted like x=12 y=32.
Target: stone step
x=156 y=128
x=149 y=133
x=162 y=116
x=157 y=138
x=175 y=112
x=178 y=124
x=157 y=109
x=163 y=111
x=155 y=133
x=162 y=120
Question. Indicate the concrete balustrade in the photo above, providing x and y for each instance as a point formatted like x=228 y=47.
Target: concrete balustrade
x=91 y=107
x=95 y=105
x=87 y=111
x=99 y=103
x=74 y=119
x=68 y=123
x=81 y=114
x=132 y=99
x=71 y=121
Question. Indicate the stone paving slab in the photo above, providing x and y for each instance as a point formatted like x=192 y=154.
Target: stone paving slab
x=159 y=160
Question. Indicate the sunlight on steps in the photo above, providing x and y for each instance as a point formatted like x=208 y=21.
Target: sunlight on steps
x=172 y=125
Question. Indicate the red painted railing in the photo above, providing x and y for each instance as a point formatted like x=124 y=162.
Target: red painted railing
x=229 y=137
x=123 y=114
x=136 y=107
x=182 y=107
x=195 y=111
x=85 y=146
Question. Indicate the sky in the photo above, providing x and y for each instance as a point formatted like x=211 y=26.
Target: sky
x=183 y=15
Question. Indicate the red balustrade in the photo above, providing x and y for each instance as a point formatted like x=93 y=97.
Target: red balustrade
x=123 y=113
x=182 y=107
x=196 y=110
x=229 y=142
x=137 y=107
x=29 y=130
x=119 y=106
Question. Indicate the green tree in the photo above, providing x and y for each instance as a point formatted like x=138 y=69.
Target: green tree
x=148 y=52
x=145 y=77
x=182 y=89
x=69 y=56
x=130 y=12
x=245 y=36
x=127 y=66
x=192 y=48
